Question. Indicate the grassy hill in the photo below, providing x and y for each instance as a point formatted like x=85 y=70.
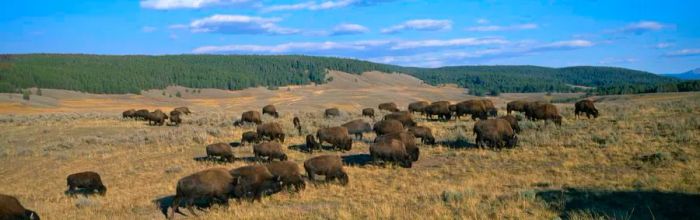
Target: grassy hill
x=134 y=73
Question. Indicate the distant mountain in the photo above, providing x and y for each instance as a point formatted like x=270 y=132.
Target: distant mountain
x=690 y=75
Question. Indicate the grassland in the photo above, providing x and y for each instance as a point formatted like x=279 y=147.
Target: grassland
x=647 y=145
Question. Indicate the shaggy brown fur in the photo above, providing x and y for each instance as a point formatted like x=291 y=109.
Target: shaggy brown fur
x=271 y=150
x=89 y=181
x=255 y=181
x=10 y=209
x=389 y=106
x=288 y=172
x=250 y=137
x=249 y=117
x=587 y=107
x=270 y=110
x=336 y=136
x=221 y=150
x=369 y=112
x=271 y=130
x=543 y=111
x=406 y=138
x=330 y=166
x=404 y=117
x=418 y=106
x=357 y=127
x=513 y=122
x=331 y=112
x=494 y=133
x=424 y=133
x=391 y=150
x=440 y=109
x=387 y=126
x=216 y=184
x=517 y=105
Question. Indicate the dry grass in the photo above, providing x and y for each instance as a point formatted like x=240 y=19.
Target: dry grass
x=639 y=143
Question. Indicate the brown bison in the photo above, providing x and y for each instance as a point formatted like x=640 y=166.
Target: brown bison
x=389 y=106
x=250 y=137
x=220 y=150
x=358 y=127
x=288 y=172
x=87 y=182
x=440 y=109
x=475 y=108
x=491 y=109
x=424 y=133
x=543 y=111
x=249 y=117
x=270 y=110
x=517 y=105
x=331 y=112
x=387 y=126
x=311 y=143
x=141 y=114
x=255 y=181
x=391 y=150
x=404 y=117
x=156 y=117
x=408 y=140
x=418 y=106
x=183 y=110
x=494 y=133
x=216 y=184
x=330 y=166
x=369 y=112
x=11 y=209
x=338 y=137
x=175 y=117
x=129 y=113
x=513 y=122
x=271 y=130
x=585 y=106
x=271 y=150
x=297 y=124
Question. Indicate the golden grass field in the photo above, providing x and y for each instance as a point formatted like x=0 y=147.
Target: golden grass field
x=643 y=148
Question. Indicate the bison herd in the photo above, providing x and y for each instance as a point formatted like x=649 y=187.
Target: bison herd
x=395 y=142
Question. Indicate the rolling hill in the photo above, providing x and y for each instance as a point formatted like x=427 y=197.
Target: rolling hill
x=135 y=73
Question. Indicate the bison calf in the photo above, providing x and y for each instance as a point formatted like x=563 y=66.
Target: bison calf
x=221 y=150
x=10 y=208
x=89 y=182
x=369 y=112
x=330 y=166
x=271 y=150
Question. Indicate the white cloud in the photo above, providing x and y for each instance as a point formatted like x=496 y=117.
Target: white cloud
x=281 y=48
x=322 y=5
x=663 y=45
x=239 y=24
x=192 y=4
x=448 y=43
x=527 y=26
x=684 y=53
x=420 y=25
x=563 y=45
x=148 y=29
x=482 y=21
x=643 y=27
x=347 y=29
x=608 y=61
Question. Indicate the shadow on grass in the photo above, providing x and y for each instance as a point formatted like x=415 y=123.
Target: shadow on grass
x=81 y=191
x=623 y=204
x=302 y=148
x=357 y=159
x=224 y=161
x=165 y=202
x=457 y=144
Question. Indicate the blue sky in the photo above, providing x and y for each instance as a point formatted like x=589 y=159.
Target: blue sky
x=656 y=36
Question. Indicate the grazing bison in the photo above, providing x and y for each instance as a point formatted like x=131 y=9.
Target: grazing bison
x=530 y=106
x=270 y=110
x=404 y=117
x=297 y=124
x=255 y=181
x=183 y=110
x=389 y=106
x=408 y=140
x=271 y=130
x=221 y=150
x=271 y=150
x=288 y=172
x=491 y=109
x=156 y=117
x=475 y=108
x=249 y=117
x=387 y=126
x=358 y=127
x=418 y=106
x=440 y=109
x=513 y=122
x=88 y=182
x=585 y=106
x=129 y=113
x=250 y=137
x=369 y=112
x=11 y=209
x=141 y=114
x=424 y=133
x=330 y=166
x=215 y=184
x=331 y=112
x=175 y=117
x=517 y=105
x=543 y=111
x=392 y=150
x=494 y=133
x=338 y=137
x=311 y=143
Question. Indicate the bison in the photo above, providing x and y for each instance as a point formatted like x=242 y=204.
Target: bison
x=250 y=137
x=389 y=106
x=271 y=150
x=88 y=182
x=330 y=166
x=216 y=184
x=404 y=117
x=297 y=124
x=157 y=117
x=392 y=150
x=141 y=114
x=494 y=133
x=249 y=117
x=408 y=140
x=491 y=109
x=175 y=117
x=424 y=133
x=369 y=112
x=129 y=113
x=221 y=150
x=543 y=111
x=440 y=109
x=338 y=137
x=288 y=172
x=183 y=110
x=513 y=122
x=270 y=110
x=387 y=126
x=10 y=209
x=255 y=181
x=271 y=130
x=585 y=106
x=357 y=127
x=517 y=105
x=418 y=106
x=331 y=112
x=475 y=108
x=311 y=143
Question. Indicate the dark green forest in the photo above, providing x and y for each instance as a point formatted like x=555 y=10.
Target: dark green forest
x=133 y=73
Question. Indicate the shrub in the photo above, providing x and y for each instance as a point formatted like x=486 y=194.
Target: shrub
x=26 y=94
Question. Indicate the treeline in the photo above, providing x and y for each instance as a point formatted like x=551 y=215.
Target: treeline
x=132 y=74
x=685 y=86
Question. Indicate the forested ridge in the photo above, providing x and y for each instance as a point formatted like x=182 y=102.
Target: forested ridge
x=134 y=73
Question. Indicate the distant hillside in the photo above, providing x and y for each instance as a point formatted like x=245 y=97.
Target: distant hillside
x=132 y=74
x=690 y=75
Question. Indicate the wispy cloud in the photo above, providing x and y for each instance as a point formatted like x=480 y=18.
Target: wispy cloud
x=321 y=5
x=238 y=24
x=516 y=27
x=420 y=25
x=663 y=45
x=643 y=27
x=609 y=61
x=148 y=29
x=482 y=21
x=192 y=4
x=562 y=45
x=684 y=53
x=348 y=29
x=448 y=43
